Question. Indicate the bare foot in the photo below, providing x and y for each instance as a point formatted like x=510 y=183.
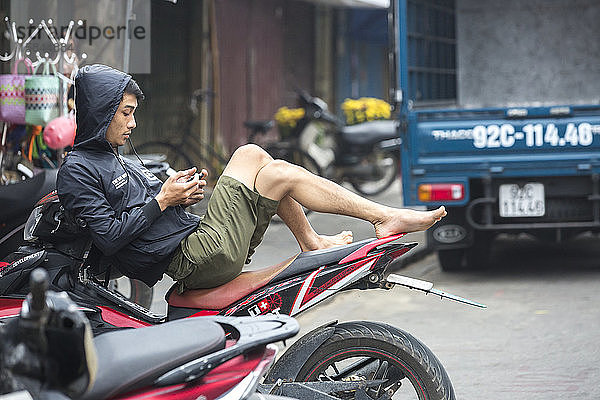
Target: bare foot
x=398 y=220
x=325 y=242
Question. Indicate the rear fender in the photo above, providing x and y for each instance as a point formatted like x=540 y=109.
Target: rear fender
x=290 y=363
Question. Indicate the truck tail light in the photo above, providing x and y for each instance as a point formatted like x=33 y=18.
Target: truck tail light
x=441 y=192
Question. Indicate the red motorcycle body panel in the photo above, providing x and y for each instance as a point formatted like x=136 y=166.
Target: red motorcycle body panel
x=214 y=384
x=10 y=307
x=119 y=319
x=363 y=251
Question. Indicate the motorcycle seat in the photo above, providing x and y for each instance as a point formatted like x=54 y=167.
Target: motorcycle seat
x=221 y=296
x=369 y=133
x=18 y=199
x=312 y=260
x=248 y=281
x=133 y=358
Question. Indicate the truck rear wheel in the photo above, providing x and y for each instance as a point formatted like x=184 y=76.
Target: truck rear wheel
x=476 y=256
x=451 y=260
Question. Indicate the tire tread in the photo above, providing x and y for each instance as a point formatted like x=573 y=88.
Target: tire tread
x=432 y=369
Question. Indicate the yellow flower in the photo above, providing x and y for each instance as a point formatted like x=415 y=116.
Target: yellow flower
x=288 y=117
x=365 y=109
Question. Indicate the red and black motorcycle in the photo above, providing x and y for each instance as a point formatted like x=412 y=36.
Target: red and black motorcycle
x=362 y=360
x=47 y=352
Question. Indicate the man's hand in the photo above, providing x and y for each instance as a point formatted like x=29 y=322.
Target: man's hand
x=198 y=195
x=182 y=188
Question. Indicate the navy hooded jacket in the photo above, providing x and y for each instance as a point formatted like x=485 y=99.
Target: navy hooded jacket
x=113 y=195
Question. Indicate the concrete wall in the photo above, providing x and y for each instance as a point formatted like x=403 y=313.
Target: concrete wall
x=515 y=52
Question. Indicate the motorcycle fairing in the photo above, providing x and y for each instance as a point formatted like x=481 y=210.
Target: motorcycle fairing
x=16 y=268
x=314 y=290
x=250 y=281
x=364 y=250
x=119 y=319
x=301 y=292
x=10 y=307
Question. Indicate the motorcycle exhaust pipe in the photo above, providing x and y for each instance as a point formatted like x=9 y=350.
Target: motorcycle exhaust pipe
x=390 y=144
x=368 y=171
x=361 y=171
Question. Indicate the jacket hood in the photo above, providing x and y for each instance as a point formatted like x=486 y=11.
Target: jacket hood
x=98 y=93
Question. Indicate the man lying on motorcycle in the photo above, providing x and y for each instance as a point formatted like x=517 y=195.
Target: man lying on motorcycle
x=140 y=222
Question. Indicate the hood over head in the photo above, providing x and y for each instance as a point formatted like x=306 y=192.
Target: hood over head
x=98 y=92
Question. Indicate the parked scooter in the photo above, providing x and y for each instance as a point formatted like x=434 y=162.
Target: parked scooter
x=47 y=352
x=367 y=155
x=362 y=360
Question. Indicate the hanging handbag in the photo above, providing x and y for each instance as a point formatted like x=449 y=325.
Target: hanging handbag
x=12 y=94
x=41 y=97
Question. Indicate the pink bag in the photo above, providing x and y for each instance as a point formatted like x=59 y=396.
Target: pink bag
x=12 y=94
x=60 y=132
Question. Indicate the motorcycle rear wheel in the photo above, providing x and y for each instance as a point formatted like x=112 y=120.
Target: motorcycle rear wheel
x=386 y=167
x=369 y=350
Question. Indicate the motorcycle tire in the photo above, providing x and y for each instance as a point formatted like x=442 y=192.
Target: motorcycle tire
x=387 y=169
x=475 y=257
x=369 y=350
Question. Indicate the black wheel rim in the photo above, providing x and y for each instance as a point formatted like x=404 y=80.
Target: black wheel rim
x=385 y=172
x=402 y=382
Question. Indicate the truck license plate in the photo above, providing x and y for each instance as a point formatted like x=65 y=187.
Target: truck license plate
x=522 y=201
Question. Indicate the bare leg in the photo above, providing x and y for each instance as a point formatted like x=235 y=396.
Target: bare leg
x=278 y=179
x=292 y=214
x=244 y=166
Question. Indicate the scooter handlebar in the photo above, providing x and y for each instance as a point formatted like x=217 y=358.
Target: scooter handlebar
x=329 y=117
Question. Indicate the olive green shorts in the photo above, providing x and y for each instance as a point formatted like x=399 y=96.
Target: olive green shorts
x=235 y=222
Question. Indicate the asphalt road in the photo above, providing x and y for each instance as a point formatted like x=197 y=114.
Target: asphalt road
x=538 y=338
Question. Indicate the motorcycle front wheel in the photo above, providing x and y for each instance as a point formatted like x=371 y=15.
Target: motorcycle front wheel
x=382 y=168
x=375 y=351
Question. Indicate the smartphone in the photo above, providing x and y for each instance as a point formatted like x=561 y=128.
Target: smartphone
x=200 y=176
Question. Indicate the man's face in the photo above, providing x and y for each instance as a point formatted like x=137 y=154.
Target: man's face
x=123 y=121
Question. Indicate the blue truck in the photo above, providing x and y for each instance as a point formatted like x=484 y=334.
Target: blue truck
x=499 y=110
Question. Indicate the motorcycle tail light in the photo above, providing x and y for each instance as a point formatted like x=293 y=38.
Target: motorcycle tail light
x=435 y=192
